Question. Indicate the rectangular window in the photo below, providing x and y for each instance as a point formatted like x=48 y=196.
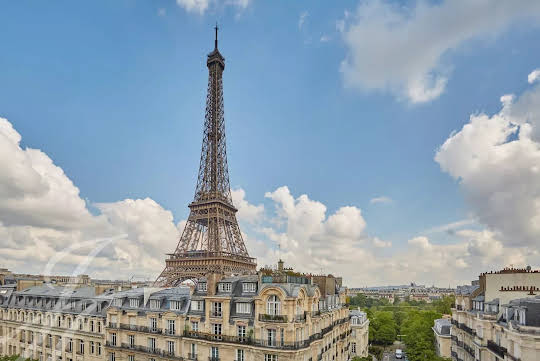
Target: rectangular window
x=171 y=327
x=83 y=305
x=268 y=357
x=353 y=347
x=131 y=358
x=225 y=287
x=175 y=305
x=249 y=287
x=243 y=307
x=133 y=302
x=118 y=302
x=151 y=343
x=99 y=327
x=195 y=326
x=99 y=307
x=241 y=331
x=81 y=347
x=193 y=351
x=214 y=353
x=99 y=348
x=70 y=345
x=113 y=339
x=202 y=287
x=197 y=305
x=91 y=326
x=170 y=347
x=131 y=340
x=271 y=337
x=112 y=356
x=80 y=325
x=155 y=304
x=216 y=328
x=240 y=355
x=216 y=309
x=153 y=324
x=92 y=347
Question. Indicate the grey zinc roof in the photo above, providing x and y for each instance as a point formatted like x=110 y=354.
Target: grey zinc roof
x=466 y=289
x=443 y=326
x=291 y=289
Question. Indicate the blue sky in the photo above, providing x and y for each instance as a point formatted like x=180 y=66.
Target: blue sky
x=113 y=92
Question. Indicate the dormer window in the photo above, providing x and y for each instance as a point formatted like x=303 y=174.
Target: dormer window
x=118 y=302
x=176 y=305
x=225 y=287
x=133 y=302
x=197 y=305
x=249 y=287
x=155 y=304
x=202 y=287
x=243 y=307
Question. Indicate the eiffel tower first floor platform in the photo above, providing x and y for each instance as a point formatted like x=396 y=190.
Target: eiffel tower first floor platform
x=194 y=264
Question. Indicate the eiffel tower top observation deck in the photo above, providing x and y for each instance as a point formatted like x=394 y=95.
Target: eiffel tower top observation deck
x=211 y=241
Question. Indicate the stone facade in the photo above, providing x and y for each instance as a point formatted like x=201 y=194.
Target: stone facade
x=360 y=333
x=242 y=318
x=498 y=318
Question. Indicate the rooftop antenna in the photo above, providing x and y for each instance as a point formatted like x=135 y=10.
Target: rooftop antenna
x=216 y=28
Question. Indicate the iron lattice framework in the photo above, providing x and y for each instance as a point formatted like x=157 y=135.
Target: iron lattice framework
x=211 y=241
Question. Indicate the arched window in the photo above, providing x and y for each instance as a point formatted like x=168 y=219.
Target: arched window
x=273 y=305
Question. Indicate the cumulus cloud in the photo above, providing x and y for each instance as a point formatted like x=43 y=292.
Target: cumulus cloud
x=42 y=215
x=496 y=161
x=246 y=211
x=534 y=76
x=312 y=240
x=399 y=49
x=201 y=6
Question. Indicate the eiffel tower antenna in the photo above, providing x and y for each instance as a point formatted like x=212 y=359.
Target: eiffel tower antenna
x=211 y=241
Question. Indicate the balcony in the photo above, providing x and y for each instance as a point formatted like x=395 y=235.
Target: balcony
x=137 y=328
x=169 y=332
x=248 y=341
x=263 y=317
x=192 y=356
x=217 y=314
x=300 y=317
x=496 y=349
x=213 y=358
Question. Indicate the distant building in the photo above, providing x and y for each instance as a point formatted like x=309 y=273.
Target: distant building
x=497 y=317
x=442 y=337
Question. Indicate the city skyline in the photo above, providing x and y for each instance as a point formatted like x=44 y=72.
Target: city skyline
x=433 y=180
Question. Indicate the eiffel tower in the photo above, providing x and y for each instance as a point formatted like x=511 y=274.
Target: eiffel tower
x=211 y=241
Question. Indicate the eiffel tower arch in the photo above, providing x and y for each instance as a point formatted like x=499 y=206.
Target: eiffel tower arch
x=211 y=241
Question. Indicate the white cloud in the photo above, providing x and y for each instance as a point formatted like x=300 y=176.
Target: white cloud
x=302 y=19
x=162 y=12
x=399 y=49
x=246 y=211
x=311 y=240
x=381 y=199
x=379 y=243
x=42 y=216
x=201 y=6
x=496 y=160
x=534 y=76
